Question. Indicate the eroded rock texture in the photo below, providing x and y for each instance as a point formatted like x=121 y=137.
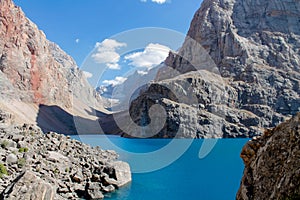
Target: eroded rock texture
x=272 y=164
x=250 y=54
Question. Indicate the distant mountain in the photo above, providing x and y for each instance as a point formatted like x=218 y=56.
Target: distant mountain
x=135 y=79
x=40 y=83
x=237 y=73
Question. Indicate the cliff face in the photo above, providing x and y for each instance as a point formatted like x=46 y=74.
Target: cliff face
x=272 y=164
x=35 y=71
x=254 y=48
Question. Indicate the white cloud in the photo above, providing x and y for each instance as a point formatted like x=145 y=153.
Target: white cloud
x=152 y=55
x=157 y=1
x=77 y=40
x=113 y=66
x=87 y=74
x=117 y=81
x=106 y=53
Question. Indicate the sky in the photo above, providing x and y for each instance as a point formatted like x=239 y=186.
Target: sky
x=93 y=30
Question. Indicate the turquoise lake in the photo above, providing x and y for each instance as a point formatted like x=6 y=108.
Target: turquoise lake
x=214 y=177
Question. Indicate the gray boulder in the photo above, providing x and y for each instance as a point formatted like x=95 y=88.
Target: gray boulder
x=118 y=173
x=11 y=159
x=28 y=187
x=94 y=191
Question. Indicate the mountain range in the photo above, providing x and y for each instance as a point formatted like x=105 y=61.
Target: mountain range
x=236 y=74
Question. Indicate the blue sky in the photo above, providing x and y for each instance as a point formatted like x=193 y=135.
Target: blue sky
x=77 y=25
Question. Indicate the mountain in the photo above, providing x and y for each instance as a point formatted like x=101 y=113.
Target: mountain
x=272 y=164
x=133 y=80
x=40 y=83
x=237 y=73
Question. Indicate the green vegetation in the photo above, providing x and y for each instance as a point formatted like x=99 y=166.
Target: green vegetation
x=21 y=162
x=23 y=149
x=4 y=144
x=56 y=171
x=3 y=170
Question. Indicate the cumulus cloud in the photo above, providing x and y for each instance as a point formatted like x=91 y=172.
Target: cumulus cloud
x=87 y=74
x=152 y=55
x=117 y=81
x=113 y=66
x=106 y=53
x=157 y=1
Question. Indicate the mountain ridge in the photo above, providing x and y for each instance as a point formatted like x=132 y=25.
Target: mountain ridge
x=36 y=73
x=255 y=48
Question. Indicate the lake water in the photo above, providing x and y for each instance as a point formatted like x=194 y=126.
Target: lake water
x=214 y=177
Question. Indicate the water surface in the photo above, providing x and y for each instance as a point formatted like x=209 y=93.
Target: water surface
x=215 y=177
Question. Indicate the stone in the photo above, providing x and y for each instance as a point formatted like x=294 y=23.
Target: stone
x=57 y=157
x=12 y=144
x=5 y=117
x=94 y=191
x=109 y=188
x=77 y=177
x=11 y=159
x=67 y=171
x=272 y=164
x=29 y=186
x=120 y=173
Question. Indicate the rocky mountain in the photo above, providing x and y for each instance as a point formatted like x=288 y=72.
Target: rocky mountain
x=237 y=73
x=272 y=164
x=36 y=76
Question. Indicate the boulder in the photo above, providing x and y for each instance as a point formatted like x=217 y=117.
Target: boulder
x=94 y=191
x=27 y=187
x=119 y=173
x=11 y=159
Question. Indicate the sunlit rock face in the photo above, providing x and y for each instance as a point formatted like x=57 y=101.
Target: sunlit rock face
x=254 y=46
x=35 y=71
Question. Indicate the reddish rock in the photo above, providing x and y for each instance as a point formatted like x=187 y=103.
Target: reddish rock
x=36 y=71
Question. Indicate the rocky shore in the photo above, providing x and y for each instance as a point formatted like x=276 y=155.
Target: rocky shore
x=272 y=164
x=34 y=165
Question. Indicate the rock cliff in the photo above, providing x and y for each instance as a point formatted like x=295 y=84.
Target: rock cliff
x=35 y=71
x=272 y=164
x=241 y=61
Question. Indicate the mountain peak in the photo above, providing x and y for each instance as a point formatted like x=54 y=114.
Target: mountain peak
x=255 y=48
x=242 y=33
